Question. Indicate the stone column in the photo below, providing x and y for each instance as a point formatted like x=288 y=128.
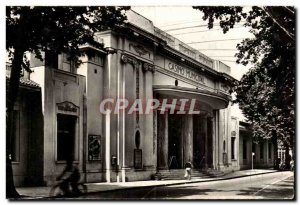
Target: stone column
x=162 y=141
x=188 y=138
x=210 y=142
x=155 y=139
x=107 y=91
x=127 y=123
x=215 y=139
x=220 y=137
x=149 y=143
x=203 y=123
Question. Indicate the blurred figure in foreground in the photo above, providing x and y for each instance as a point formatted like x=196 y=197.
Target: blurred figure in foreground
x=69 y=177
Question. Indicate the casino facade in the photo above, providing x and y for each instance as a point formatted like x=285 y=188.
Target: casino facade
x=143 y=63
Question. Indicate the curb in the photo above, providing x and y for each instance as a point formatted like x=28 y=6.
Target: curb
x=158 y=185
x=177 y=183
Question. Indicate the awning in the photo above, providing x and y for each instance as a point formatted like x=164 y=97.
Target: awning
x=216 y=100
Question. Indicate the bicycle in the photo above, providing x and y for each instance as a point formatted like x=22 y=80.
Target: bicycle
x=57 y=190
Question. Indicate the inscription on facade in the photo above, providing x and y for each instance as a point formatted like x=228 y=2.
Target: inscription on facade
x=187 y=73
x=187 y=51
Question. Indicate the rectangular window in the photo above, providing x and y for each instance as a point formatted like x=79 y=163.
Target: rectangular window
x=232 y=147
x=66 y=63
x=65 y=136
x=261 y=151
x=244 y=149
x=15 y=140
x=270 y=150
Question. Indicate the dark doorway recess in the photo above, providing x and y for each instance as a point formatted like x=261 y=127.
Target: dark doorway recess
x=65 y=136
x=175 y=141
x=198 y=143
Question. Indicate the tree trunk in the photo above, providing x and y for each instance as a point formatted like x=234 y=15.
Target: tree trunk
x=12 y=95
x=287 y=156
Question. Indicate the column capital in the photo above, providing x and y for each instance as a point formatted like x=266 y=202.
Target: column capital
x=130 y=59
x=148 y=67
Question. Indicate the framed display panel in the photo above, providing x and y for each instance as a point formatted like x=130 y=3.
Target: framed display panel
x=94 y=147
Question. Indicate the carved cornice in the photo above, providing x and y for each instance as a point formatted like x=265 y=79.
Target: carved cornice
x=148 y=67
x=130 y=59
x=139 y=49
x=67 y=106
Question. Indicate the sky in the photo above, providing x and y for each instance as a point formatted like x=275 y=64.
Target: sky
x=186 y=24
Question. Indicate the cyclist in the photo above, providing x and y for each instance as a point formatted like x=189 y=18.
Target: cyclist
x=69 y=176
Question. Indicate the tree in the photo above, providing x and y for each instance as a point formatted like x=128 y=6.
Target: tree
x=266 y=93
x=48 y=29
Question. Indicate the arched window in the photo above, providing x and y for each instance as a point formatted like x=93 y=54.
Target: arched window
x=137 y=139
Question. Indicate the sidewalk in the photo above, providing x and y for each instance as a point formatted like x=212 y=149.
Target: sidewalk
x=43 y=192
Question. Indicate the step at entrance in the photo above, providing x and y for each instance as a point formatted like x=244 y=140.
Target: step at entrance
x=174 y=174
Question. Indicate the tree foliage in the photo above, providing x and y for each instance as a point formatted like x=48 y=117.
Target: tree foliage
x=266 y=93
x=55 y=29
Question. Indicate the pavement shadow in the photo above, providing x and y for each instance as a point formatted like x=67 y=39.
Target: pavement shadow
x=285 y=188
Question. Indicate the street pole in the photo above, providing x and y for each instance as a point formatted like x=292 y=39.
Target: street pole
x=252 y=159
x=123 y=174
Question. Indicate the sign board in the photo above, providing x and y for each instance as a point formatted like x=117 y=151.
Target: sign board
x=184 y=72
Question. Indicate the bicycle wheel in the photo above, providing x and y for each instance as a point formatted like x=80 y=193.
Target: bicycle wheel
x=55 y=191
x=82 y=188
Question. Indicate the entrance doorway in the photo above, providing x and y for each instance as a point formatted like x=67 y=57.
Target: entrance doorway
x=175 y=148
x=199 y=141
x=65 y=136
x=202 y=141
x=209 y=143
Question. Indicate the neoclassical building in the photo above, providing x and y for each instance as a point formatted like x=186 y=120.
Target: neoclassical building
x=142 y=63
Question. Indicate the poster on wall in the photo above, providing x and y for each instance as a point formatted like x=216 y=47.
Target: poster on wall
x=94 y=147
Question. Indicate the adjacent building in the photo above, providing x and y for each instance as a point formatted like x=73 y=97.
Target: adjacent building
x=254 y=154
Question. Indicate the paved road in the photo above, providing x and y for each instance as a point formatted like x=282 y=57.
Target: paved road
x=279 y=185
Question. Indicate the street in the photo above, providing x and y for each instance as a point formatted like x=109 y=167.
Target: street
x=279 y=185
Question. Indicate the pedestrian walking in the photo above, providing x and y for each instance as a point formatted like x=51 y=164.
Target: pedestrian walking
x=188 y=170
